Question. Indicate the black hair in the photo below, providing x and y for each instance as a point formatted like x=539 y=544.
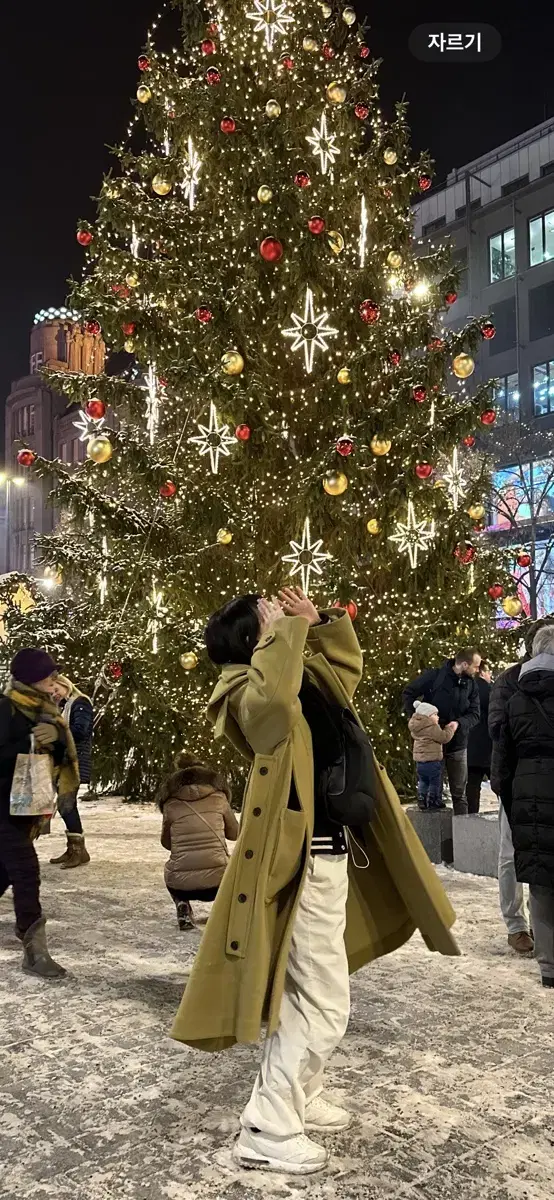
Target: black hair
x=485 y=666
x=232 y=631
x=466 y=656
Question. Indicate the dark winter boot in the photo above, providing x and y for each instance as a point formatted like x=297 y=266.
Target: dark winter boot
x=62 y=858
x=185 y=919
x=36 y=959
x=77 y=854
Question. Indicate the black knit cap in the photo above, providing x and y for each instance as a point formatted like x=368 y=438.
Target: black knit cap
x=30 y=666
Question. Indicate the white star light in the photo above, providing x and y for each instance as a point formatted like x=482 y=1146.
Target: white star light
x=455 y=481
x=363 y=232
x=158 y=613
x=324 y=144
x=309 y=331
x=213 y=439
x=88 y=427
x=270 y=19
x=135 y=244
x=306 y=557
x=193 y=167
x=412 y=536
x=152 y=388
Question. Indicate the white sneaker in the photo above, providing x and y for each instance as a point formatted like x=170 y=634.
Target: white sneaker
x=321 y=1114
x=292 y=1156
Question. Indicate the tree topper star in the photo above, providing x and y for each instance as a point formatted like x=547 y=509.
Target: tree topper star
x=306 y=557
x=213 y=439
x=270 y=19
x=309 y=331
x=324 y=144
x=412 y=535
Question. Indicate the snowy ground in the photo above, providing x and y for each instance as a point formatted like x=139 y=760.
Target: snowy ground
x=448 y=1064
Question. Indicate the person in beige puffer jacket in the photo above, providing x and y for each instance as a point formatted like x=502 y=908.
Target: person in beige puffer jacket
x=197 y=820
x=429 y=740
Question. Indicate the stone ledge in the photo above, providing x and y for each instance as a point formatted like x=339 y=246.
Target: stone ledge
x=434 y=830
x=476 y=841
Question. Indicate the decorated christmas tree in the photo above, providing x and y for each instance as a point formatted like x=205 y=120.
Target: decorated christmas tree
x=291 y=405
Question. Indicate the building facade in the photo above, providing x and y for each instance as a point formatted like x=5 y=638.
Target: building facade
x=38 y=417
x=498 y=213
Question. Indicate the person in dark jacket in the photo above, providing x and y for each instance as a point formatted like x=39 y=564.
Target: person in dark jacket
x=77 y=711
x=479 y=747
x=525 y=771
x=452 y=688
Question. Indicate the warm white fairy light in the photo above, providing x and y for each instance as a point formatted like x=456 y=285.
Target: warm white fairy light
x=309 y=331
x=152 y=388
x=214 y=439
x=323 y=145
x=362 y=245
x=455 y=480
x=270 y=19
x=193 y=167
x=306 y=557
x=412 y=536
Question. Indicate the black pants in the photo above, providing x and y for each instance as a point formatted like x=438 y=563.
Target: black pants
x=475 y=777
x=208 y=894
x=19 y=867
x=72 y=820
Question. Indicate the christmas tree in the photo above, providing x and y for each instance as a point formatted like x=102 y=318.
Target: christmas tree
x=292 y=406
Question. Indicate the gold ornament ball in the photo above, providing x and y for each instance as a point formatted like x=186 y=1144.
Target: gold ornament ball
x=132 y=280
x=326 y=10
x=335 y=483
x=380 y=446
x=373 y=526
x=100 y=449
x=310 y=45
x=349 y=16
x=344 y=375
x=273 y=109
x=463 y=365
x=439 y=483
x=143 y=94
x=390 y=156
x=189 y=660
x=394 y=259
x=512 y=606
x=161 y=186
x=224 y=537
x=336 y=241
x=336 y=93
x=476 y=512
x=265 y=194
x=129 y=346
x=232 y=363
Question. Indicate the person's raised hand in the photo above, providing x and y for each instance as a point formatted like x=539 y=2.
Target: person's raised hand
x=296 y=604
x=269 y=611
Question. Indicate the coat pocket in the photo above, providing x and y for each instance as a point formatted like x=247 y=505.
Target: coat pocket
x=287 y=855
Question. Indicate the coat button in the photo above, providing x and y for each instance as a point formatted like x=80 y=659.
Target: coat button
x=249 y=854
x=242 y=898
x=256 y=812
x=234 y=945
x=263 y=770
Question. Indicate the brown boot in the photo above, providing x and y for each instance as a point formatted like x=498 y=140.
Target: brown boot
x=62 y=858
x=36 y=958
x=77 y=853
x=522 y=942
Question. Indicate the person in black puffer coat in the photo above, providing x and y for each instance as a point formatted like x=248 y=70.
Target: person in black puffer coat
x=452 y=689
x=479 y=747
x=525 y=771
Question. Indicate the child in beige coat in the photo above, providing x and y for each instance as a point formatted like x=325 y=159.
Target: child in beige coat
x=429 y=740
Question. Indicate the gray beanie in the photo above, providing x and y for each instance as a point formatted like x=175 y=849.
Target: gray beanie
x=425 y=710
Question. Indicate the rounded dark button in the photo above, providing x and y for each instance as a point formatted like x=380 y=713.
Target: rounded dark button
x=242 y=898
x=256 y=812
x=263 y=770
x=234 y=945
x=249 y=854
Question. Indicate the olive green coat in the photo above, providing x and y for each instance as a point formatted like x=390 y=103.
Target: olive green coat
x=238 y=975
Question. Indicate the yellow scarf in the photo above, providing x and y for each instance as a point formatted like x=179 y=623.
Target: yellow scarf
x=37 y=707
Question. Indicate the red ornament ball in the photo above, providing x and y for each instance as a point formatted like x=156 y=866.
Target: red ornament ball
x=213 y=76
x=227 y=125
x=469 y=440
x=96 y=409
x=128 y=328
x=121 y=290
x=328 y=50
x=115 y=670
x=271 y=249
x=364 y=52
x=143 y=62
x=395 y=358
x=352 y=610
x=450 y=297
x=496 y=591
x=523 y=559
x=488 y=330
x=204 y=315
x=361 y=111
x=168 y=489
x=488 y=417
x=26 y=458
x=369 y=311
x=425 y=182
x=465 y=554
x=423 y=470
x=316 y=224
x=344 y=446
x=302 y=179
x=287 y=62
x=243 y=433
x=208 y=46
x=84 y=237
x=436 y=344
x=92 y=327
x=213 y=27
x=419 y=394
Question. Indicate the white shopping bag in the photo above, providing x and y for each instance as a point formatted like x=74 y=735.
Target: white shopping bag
x=32 y=793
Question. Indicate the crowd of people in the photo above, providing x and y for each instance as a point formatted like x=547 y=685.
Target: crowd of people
x=321 y=823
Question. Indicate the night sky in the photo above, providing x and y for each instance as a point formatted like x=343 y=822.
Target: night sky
x=68 y=76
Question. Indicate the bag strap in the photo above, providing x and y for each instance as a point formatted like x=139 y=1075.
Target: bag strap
x=213 y=831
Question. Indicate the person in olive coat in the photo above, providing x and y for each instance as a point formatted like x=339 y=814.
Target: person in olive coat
x=479 y=747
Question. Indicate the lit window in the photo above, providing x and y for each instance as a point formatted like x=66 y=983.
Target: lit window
x=543 y=388
x=507 y=396
x=502 y=255
x=541 y=238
